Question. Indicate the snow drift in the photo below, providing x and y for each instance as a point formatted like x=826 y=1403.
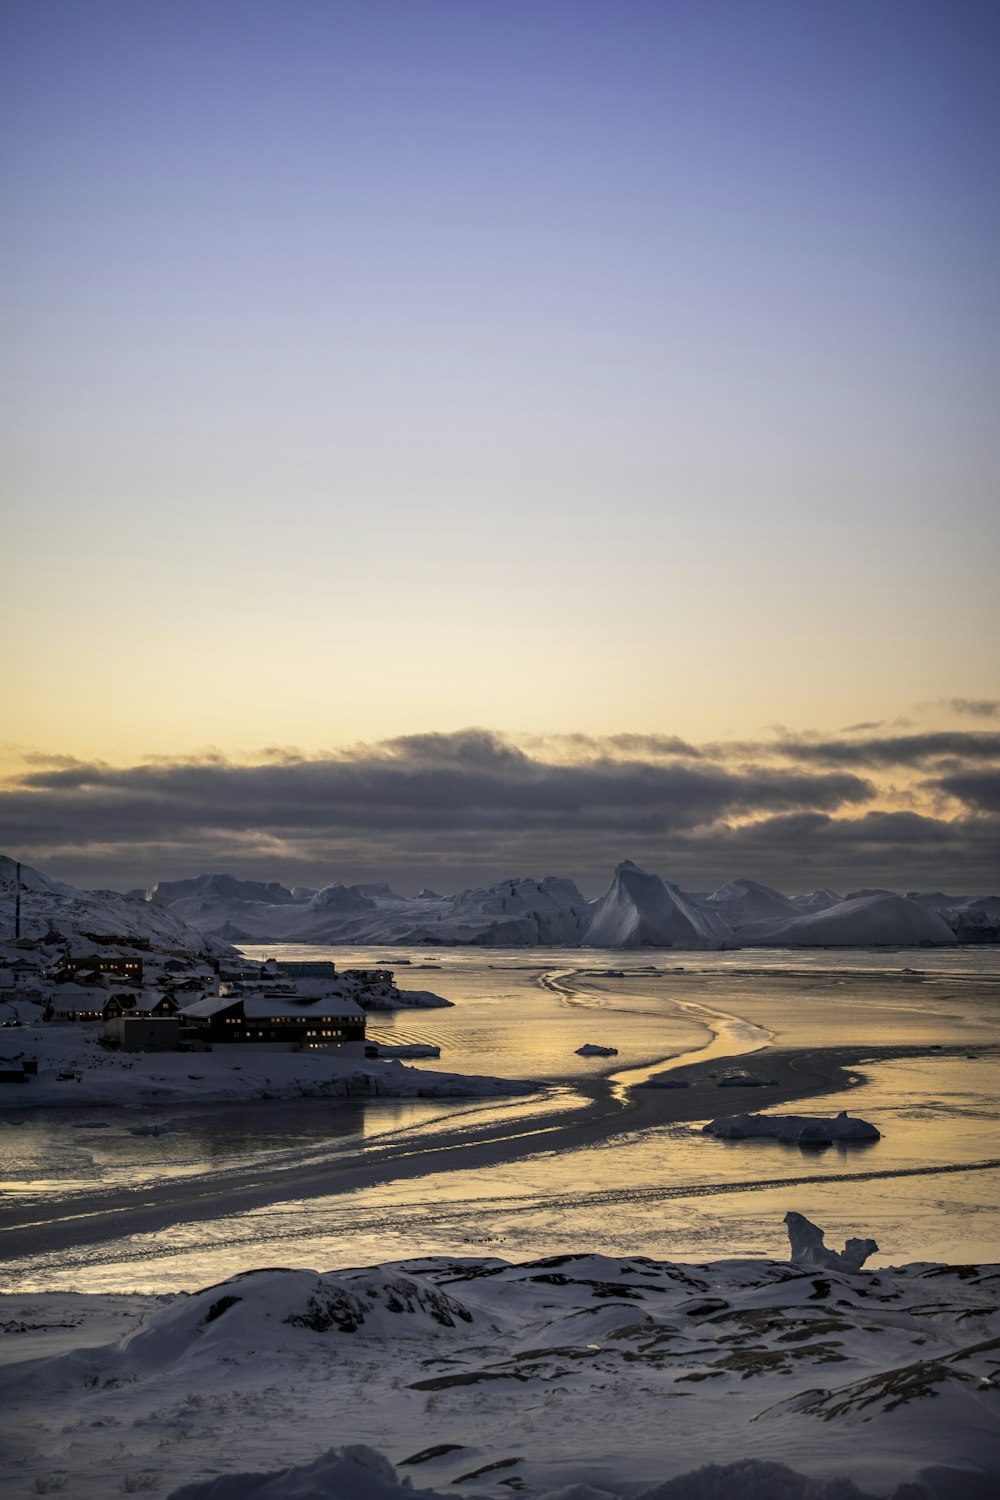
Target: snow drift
x=453 y=1376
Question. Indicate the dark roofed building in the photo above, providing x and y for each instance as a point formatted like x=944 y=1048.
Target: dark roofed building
x=278 y=1020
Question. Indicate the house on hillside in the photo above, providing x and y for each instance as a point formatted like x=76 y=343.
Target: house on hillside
x=76 y=1002
x=101 y=963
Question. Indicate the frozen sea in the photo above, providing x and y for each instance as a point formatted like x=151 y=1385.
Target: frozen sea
x=929 y=1190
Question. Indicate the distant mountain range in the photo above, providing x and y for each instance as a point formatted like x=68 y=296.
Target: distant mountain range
x=638 y=910
x=208 y=912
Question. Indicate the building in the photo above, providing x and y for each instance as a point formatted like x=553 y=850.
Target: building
x=143 y=1033
x=279 y=1021
x=308 y=968
x=112 y=963
x=149 y=1003
x=369 y=979
x=76 y=1002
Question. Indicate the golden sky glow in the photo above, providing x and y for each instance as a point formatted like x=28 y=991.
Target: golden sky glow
x=523 y=369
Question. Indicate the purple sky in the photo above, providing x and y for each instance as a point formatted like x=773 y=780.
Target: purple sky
x=378 y=369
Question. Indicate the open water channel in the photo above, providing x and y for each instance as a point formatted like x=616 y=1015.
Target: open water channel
x=929 y=1190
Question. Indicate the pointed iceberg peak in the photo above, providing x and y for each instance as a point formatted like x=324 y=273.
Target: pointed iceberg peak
x=642 y=910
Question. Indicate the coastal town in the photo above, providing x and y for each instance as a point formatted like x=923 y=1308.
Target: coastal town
x=147 y=1011
x=149 y=1002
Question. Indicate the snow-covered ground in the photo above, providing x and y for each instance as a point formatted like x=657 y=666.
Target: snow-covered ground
x=577 y=1376
x=47 y=904
x=74 y=1068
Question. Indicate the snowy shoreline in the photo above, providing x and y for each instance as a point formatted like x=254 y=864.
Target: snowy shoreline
x=74 y=1069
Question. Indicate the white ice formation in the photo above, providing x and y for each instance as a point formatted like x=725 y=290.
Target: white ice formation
x=805 y=1130
x=809 y=1251
x=638 y=910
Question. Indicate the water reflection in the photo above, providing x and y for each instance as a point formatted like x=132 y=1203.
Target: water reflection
x=663 y=1191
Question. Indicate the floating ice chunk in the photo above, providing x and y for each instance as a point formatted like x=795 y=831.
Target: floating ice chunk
x=808 y=1249
x=805 y=1130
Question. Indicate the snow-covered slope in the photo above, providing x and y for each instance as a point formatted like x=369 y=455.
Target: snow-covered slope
x=878 y=920
x=579 y=1377
x=642 y=910
x=74 y=914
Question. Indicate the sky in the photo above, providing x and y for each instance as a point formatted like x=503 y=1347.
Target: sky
x=399 y=383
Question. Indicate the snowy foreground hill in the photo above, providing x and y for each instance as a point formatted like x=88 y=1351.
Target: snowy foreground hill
x=576 y=1377
x=638 y=910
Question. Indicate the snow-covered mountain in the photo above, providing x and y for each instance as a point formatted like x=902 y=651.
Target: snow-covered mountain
x=76 y=915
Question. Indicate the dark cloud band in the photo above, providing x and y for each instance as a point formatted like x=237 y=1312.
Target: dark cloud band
x=476 y=800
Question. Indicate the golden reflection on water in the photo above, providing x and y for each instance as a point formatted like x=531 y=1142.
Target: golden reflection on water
x=668 y=1191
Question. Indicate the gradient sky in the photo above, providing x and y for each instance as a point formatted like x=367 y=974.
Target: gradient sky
x=381 y=368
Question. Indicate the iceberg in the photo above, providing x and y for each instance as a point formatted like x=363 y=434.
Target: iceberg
x=812 y=1130
x=809 y=1251
x=641 y=910
x=741 y=901
x=870 y=920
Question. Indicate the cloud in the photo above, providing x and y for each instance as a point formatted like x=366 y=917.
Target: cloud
x=977 y=789
x=475 y=806
x=894 y=750
x=978 y=708
x=428 y=782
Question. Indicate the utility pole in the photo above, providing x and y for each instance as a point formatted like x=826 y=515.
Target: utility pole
x=17 y=904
